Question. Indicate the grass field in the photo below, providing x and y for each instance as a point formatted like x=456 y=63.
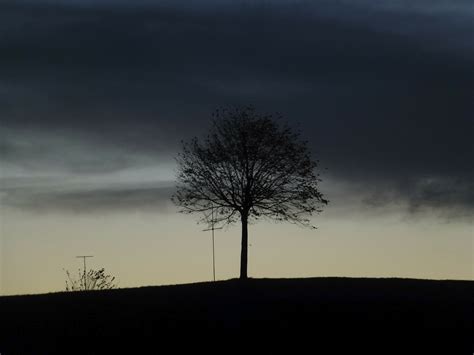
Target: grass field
x=316 y=315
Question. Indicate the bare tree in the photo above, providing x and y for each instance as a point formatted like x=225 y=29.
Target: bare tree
x=249 y=166
x=93 y=280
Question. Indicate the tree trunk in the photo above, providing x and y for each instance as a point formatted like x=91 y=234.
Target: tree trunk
x=244 y=251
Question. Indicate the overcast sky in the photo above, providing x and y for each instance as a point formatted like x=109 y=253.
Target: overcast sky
x=95 y=97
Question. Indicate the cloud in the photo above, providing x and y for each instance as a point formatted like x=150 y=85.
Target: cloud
x=447 y=198
x=382 y=90
x=135 y=197
x=415 y=198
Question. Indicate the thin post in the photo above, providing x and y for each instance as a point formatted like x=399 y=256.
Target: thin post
x=213 y=247
x=213 y=244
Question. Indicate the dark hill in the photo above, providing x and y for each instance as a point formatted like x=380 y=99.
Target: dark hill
x=303 y=315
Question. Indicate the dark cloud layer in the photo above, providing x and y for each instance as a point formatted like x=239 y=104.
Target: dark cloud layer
x=98 y=199
x=383 y=92
x=448 y=198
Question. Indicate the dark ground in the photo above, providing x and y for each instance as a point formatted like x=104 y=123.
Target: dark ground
x=320 y=315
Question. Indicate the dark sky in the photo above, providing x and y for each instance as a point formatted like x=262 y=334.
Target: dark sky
x=383 y=90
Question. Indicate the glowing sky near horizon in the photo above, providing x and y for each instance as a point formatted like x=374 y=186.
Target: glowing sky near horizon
x=146 y=247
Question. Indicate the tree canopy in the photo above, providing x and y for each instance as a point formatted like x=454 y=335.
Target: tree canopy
x=249 y=166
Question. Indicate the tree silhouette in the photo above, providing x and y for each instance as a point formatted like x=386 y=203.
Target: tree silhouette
x=249 y=166
x=94 y=280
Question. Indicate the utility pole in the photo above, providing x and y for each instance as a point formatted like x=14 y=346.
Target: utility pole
x=85 y=273
x=213 y=248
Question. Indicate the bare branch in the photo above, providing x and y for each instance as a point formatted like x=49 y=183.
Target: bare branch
x=249 y=163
